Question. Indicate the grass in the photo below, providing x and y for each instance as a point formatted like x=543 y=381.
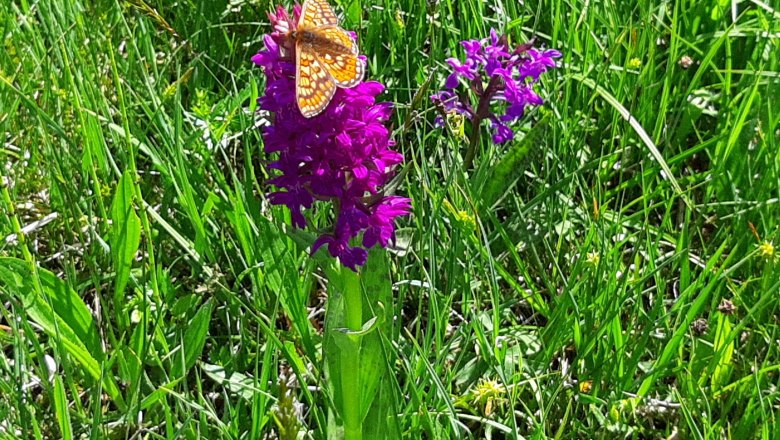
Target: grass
x=610 y=285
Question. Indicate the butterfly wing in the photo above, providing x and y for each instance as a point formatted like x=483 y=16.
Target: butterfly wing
x=340 y=57
x=314 y=86
x=317 y=13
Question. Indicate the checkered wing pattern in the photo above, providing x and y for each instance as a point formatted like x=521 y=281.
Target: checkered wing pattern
x=313 y=84
x=340 y=57
x=317 y=13
x=327 y=57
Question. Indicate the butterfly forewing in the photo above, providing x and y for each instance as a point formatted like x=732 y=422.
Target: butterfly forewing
x=327 y=57
x=317 y=13
x=314 y=85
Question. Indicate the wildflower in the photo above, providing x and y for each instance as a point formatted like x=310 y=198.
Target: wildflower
x=766 y=250
x=635 y=63
x=593 y=258
x=685 y=61
x=399 y=19
x=342 y=155
x=501 y=77
x=727 y=307
x=463 y=218
x=489 y=393
x=700 y=326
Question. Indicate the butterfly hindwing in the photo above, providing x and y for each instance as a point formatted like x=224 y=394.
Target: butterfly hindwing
x=341 y=57
x=313 y=84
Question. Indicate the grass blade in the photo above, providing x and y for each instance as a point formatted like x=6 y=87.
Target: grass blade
x=61 y=409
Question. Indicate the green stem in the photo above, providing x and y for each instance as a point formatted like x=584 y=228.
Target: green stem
x=350 y=359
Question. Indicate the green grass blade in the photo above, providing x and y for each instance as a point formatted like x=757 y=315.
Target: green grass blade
x=61 y=409
x=640 y=131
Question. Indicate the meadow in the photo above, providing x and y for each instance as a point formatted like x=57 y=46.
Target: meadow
x=611 y=272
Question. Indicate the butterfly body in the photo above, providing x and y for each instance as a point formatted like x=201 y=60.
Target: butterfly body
x=323 y=44
x=326 y=58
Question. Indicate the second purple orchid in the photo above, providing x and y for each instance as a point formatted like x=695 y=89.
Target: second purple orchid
x=501 y=77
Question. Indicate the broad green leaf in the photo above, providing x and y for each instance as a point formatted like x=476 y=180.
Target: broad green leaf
x=194 y=340
x=509 y=168
x=61 y=313
x=374 y=385
x=356 y=335
x=183 y=305
x=377 y=405
x=125 y=235
x=334 y=342
x=60 y=301
x=235 y=382
x=353 y=10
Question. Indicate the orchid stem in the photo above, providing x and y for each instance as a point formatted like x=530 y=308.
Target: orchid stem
x=473 y=141
x=350 y=359
x=483 y=107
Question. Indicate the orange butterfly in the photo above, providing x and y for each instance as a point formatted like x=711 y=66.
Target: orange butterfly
x=327 y=57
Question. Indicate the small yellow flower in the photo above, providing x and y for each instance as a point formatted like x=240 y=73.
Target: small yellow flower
x=593 y=258
x=399 y=19
x=464 y=218
x=489 y=393
x=766 y=250
x=457 y=123
x=635 y=63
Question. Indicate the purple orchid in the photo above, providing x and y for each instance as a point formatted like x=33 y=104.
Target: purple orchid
x=342 y=155
x=502 y=78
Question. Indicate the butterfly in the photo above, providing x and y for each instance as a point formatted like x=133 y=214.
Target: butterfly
x=326 y=58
